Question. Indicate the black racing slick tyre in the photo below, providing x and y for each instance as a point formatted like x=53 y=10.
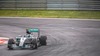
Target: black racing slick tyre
x=34 y=44
x=43 y=40
x=10 y=43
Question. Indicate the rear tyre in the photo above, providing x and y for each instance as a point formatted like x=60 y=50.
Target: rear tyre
x=10 y=44
x=43 y=40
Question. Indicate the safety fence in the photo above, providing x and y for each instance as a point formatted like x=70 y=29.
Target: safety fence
x=51 y=4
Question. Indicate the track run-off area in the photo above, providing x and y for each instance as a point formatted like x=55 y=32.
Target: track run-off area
x=65 y=37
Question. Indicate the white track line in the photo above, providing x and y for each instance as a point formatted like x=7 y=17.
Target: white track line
x=53 y=18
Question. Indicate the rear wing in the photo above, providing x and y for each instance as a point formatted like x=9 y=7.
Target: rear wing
x=31 y=30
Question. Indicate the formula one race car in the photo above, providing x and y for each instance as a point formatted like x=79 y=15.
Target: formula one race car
x=29 y=40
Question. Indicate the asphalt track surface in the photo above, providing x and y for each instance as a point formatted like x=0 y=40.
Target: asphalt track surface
x=65 y=37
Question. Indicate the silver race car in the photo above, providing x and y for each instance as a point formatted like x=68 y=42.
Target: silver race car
x=29 y=40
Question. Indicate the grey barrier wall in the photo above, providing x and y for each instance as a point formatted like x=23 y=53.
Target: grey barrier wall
x=62 y=4
x=51 y=4
x=23 y=4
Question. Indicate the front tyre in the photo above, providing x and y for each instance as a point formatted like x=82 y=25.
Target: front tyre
x=34 y=44
x=10 y=44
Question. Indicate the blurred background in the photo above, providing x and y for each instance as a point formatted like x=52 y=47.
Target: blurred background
x=51 y=4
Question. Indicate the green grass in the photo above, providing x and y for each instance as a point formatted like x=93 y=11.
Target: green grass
x=51 y=14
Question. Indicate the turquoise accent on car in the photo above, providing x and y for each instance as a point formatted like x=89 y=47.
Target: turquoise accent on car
x=18 y=39
x=33 y=30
